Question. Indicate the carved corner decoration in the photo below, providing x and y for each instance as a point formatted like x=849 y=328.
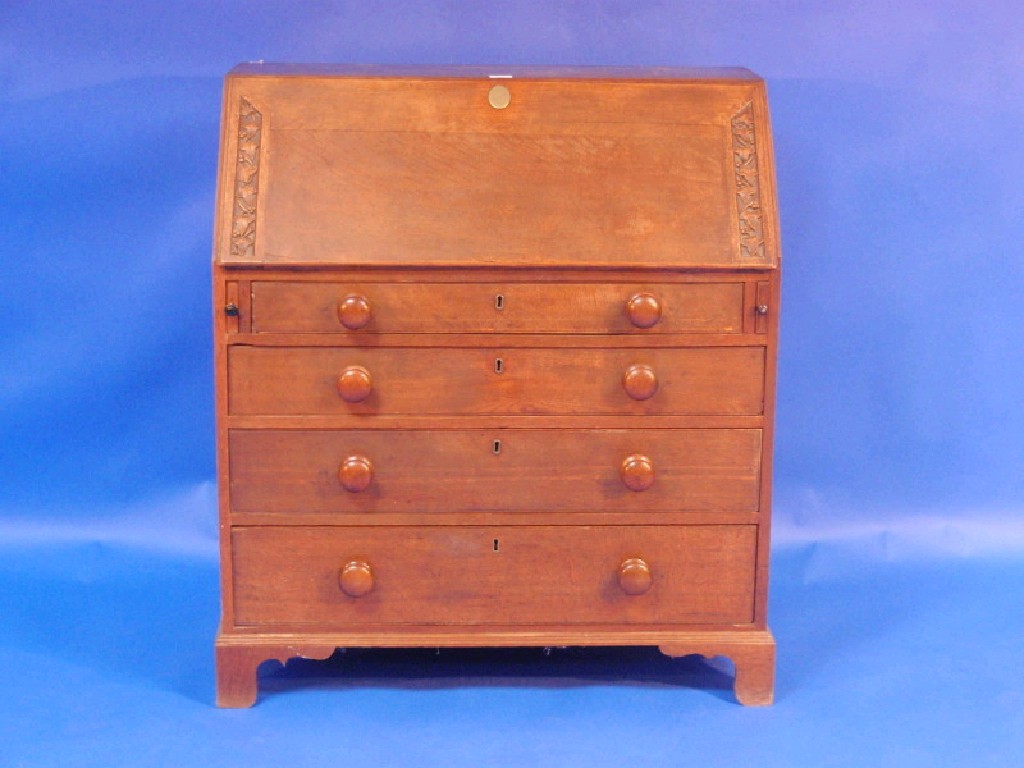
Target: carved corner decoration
x=247 y=177
x=748 y=189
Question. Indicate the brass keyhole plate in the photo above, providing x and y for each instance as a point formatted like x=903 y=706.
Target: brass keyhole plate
x=499 y=96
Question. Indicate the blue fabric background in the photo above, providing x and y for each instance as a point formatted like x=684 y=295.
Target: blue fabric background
x=898 y=583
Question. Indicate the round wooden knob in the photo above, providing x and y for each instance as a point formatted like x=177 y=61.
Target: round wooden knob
x=354 y=312
x=355 y=474
x=637 y=472
x=643 y=309
x=356 y=578
x=355 y=384
x=634 y=576
x=640 y=382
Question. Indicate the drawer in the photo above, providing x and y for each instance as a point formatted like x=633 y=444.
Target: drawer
x=340 y=577
x=367 y=308
x=366 y=471
x=328 y=380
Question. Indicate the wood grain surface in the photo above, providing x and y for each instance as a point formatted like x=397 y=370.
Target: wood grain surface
x=289 y=306
x=495 y=369
x=496 y=576
x=304 y=381
x=426 y=171
x=477 y=470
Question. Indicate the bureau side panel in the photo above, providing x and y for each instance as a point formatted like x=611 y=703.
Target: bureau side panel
x=774 y=285
x=222 y=287
x=773 y=278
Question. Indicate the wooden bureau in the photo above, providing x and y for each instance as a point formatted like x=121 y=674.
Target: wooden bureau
x=495 y=363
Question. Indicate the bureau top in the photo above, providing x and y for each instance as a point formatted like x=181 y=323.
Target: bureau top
x=700 y=74
x=495 y=166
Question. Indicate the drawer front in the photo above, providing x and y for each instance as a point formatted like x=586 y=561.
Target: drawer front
x=354 y=471
x=324 y=380
x=367 y=308
x=340 y=577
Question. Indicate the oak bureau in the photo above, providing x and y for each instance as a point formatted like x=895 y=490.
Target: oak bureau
x=495 y=362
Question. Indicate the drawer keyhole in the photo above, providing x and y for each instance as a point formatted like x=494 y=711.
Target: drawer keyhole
x=499 y=302
x=495 y=545
x=499 y=365
x=496 y=447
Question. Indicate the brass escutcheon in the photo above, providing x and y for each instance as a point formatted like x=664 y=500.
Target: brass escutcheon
x=499 y=96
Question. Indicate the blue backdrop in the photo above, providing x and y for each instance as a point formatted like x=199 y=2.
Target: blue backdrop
x=899 y=556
